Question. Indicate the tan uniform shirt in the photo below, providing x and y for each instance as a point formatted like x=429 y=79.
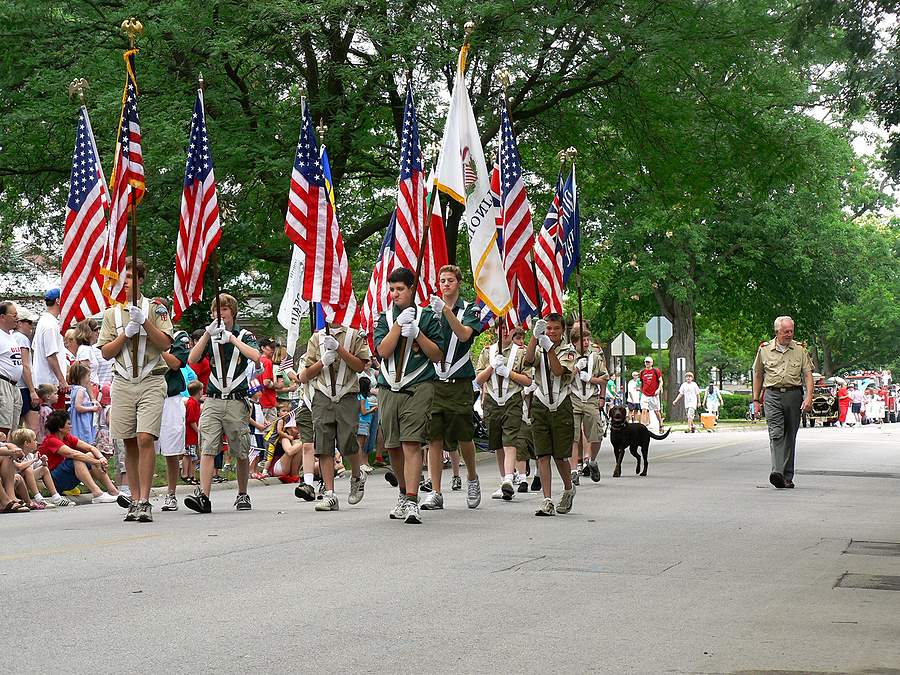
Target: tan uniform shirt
x=346 y=378
x=547 y=382
x=588 y=391
x=779 y=369
x=149 y=361
x=507 y=386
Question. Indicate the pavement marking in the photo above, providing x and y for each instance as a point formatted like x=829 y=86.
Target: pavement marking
x=101 y=543
x=686 y=453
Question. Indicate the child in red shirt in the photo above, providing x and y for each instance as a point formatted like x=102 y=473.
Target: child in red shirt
x=191 y=432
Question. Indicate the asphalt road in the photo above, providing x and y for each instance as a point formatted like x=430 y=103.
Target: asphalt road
x=700 y=567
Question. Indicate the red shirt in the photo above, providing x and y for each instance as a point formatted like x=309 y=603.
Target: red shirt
x=202 y=370
x=267 y=397
x=191 y=414
x=50 y=448
x=650 y=379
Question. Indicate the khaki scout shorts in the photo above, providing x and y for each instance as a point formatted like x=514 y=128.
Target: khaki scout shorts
x=10 y=405
x=586 y=416
x=554 y=431
x=335 y=424
x=305 y=424
x=451 y=411
x=503 y=422
x=404 y=415
x=136 y=407
x=524 y=444
x=220 y=417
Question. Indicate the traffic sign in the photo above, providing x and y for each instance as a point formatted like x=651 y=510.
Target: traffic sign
x=659 y=329
x=622 y=345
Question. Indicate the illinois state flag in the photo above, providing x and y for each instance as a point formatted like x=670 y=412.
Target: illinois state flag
x=462 y=174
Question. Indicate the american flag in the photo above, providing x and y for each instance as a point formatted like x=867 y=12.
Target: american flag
x=127 y=186
x=548 y=256
x=377 y=297
x=311 y=223
x=412 y=195
x=515 y=213
x=85 y=230
x=199 y=227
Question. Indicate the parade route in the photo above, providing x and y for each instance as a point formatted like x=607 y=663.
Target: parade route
x=700 y=567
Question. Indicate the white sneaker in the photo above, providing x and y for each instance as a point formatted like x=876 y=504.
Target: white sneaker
x=546 y=508
x=329 y=502
x=498 y=493
x=434 y=501
x=357 y=488
x=365 y=468
x=565 y=502
x=170 y=503
x=397 y=513
x=411 y=513
x=103 y=498
x=473 y=493
x=59 y=500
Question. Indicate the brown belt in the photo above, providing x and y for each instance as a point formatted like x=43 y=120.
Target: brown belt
x=783 y=389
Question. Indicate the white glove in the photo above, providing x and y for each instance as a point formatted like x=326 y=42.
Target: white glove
x=437 y=304
x=410 y=330
x=327 y=342
x=540 y=327
x=530 y=389
x=585 y=376
x=545 y=343
x=408 y=315
x=498 y=360
x=137 y=315
x=223 y=338
x=581 y=363
x=132 y=329
x=215 y=329
x=502 y=370
x=328 y=357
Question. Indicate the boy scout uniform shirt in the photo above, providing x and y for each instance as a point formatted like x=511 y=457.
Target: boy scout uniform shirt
x=457 y=363
x=418 y=367
x=149 y=360
x=180 y=349
x=502 y=394
x=588 y=391
x=782 y=369
x=559 y=386
x=346 y=378
x=235 y=373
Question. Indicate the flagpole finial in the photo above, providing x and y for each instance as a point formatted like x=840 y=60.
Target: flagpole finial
x=132 y=28
x=469 y=28
x=77 y=89
x=432 y=150
x=503 y=76
x=563 y=157
x=571 y=153
x=321 y=129
x=200 y=82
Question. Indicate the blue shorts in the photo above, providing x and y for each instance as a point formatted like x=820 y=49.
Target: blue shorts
x=64 y=475
x=363 y=429
x=26 y=402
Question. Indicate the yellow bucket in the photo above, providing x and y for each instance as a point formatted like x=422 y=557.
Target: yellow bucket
x=708 y=420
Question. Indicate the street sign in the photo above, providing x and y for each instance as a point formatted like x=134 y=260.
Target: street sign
x=680 y=369
x=622 y=345
x=655 y=345
x=659 y=329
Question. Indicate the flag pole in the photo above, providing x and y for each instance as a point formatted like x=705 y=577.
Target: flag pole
x=570 y=154
x=321 y=129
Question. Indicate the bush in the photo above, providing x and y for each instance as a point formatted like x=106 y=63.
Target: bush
x=734 y=406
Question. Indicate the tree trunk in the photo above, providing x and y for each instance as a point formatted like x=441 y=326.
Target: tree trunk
x=827 y=364
x=681 y=345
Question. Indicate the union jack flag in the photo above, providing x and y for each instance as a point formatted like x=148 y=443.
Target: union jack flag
x=199 y=227
x=549 y=256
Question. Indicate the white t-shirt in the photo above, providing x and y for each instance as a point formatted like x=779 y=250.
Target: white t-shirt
x=47 y=343
x=634 y=391
x=10 y=357
x=101 y=369
x=691 y=393
x=24 y=343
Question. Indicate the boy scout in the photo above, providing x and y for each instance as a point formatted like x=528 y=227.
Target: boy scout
x=784 y=368
x=171 y=434
x=138 y=387
x=501 y=373
x=226 y=411
x=332 y=363
x=451 y=411
x=589 y=395
x=404 y=403
x=551 y=409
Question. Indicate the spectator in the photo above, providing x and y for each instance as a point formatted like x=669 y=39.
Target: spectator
x=634 y=397
x=9 y=453
x=712 y=399
x=651 y=387
x=33 y=467
x=843 y=396
x=87 y=352
x=70 y=342
x=368 y=406
x=856 y=400
x=286 y=379
x=72 y=461
x=268 y=396
x=82 y=405
x=10 y=369
x=690 y=392
x=31 y=403
x=201 y=368
x=191 y=432
x=49 y=397
x=48 y=351
x=172 y=433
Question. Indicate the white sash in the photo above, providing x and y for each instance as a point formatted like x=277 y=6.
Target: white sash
x=388 y=370
x=587 y=390
x=502 y=394
x=128 y=372
x=560 y=392
x=323 y=384
x=216 y=374
x=446 y=374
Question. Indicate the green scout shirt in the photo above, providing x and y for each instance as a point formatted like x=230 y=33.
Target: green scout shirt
x=227 y=350
x=180 y=349
x=457 y=364
x=429 y=326
x=782 y=369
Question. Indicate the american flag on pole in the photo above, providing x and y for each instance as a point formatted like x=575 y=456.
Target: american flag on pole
x=199 y=227
x=312 y=225
x=377 y=297
x=548 y=256
x=127 y=186
x=85 y=229
x=515 y=212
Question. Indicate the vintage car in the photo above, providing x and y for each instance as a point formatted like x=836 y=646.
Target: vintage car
x=824 y=405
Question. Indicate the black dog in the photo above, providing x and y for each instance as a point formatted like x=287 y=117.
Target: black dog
x=629 y=435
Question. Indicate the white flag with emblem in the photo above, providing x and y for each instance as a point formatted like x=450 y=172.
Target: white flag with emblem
x=293 y=308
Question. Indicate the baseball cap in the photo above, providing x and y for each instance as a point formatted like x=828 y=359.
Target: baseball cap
x=648 y=360
x=26 y=314
x=52 y=295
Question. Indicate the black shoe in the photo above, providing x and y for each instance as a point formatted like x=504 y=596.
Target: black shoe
x=124 y=501
x=447 y=463
x=536 y=484
x=585 y=469
x=456 y=483
x=426 y=486
x=789 y=484
x=198 y=502
x=242 y=502
x=576 y=478
x=523 y=487
x=305 y=492
x=391 y=478
x=776 y=479
x=594 y=470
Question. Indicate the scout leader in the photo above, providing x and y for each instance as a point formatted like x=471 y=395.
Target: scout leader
x=551 y=409
x=451 y=411
x=502 y=374
x=226 y=411
x=139 y=386
x=404 y=403
x=332 y=363
x=588 y=397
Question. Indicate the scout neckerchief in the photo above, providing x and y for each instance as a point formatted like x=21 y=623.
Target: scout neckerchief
x=128 y=373
x=501 y=393
x=588 y=389
x=323 y=384
x=225 y=380
x=388 y=370
x=560 y=391
x=445 y=374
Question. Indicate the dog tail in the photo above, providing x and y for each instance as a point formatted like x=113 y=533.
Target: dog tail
x=659 y=438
